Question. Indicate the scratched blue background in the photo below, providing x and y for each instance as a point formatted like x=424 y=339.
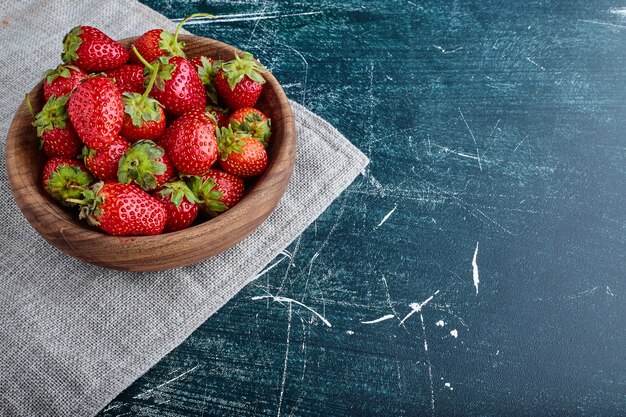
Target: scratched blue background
x=497 y=124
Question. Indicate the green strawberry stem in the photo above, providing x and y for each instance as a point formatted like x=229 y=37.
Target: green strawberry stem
x=191 y=16
x=154 y=72
x=142 y=108
x=153 y=76
x=146 y=64
x=29 y=106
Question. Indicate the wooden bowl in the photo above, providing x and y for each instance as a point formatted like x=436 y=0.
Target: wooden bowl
x=61 y=227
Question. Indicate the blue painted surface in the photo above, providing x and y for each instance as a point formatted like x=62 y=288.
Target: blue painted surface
x=497 y=125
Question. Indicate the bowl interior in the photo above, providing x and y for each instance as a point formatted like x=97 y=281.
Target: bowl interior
x=61 y=227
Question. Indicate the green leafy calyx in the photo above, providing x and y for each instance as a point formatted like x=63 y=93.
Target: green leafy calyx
x=157 y=72
x=141 y=109
x=164 y=71
x=230 y=141
x=236 y=69
x=60 y=71
x=71 y=43
x=207 y=72
x=53 y=115
x=208 y=196
x=67 y=182
x=141 y=163
x=254 y=124
x=90 y=202
x=170 y=45
x=176 y=191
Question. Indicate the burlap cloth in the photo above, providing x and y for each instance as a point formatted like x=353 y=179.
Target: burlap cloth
x=73 y=336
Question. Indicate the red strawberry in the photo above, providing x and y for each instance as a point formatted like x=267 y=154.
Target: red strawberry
x=191 y=144
x=158 y=42
x=128 y=78
x=178 y=85
x=143 y=116
x=148 y=46
x=144 y=129
x=91 y=50
x=252 y=121
x=122 y=209
x=65 y=178
x=172 y=130
x=239 y=83
x=104 y=164
x=61 y=80
x=61 y=142
x=180 y=203
x=96 y=111
x=146 y=165
x=217 y=191
x=196 y=61
x=207 y=70
x=136 y=128
x=58 y=137
x=240 y=154
x=220 y=114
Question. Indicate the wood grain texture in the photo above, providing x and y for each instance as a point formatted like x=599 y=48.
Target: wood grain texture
x=62 y=228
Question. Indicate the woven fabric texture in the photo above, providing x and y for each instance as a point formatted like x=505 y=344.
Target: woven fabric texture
x=73 y=336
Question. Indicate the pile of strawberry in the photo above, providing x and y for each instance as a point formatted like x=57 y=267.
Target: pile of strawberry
x=146 y=141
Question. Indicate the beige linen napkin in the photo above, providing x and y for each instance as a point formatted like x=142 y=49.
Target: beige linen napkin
x=73 y=336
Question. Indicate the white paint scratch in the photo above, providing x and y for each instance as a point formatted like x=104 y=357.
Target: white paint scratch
x=306 y=70
x=386 y=217
x=269 y=268
x=417 y=307
x=454 y=333
x=280 y=299
x=597 y=22
x=473 y=138
x=244 y=17
x=284 y=378
x=440 y=323
x=291 y=263
x=378 y=320
x=535 y=64
x=582 y=293
x=350 y=332
x=430 y=366
x=467 y=125
x=609 y=292
x=475 y=276
x=462 y=154
x=143 y=394
x=398 y=373
x=374 y=182
x=443 y=51
x=389 y=302
x=619 y=11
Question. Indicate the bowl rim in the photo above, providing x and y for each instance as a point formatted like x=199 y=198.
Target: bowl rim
x=44 y=214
